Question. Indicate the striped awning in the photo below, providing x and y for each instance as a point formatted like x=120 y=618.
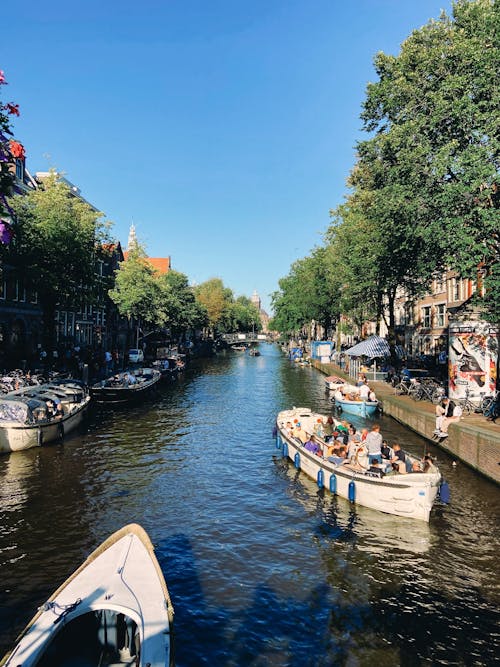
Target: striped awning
x=372 y=347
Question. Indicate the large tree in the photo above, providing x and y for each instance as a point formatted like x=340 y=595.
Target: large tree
x=57 y=240
x=216 y=299
x=434 y=112
x=9 y=151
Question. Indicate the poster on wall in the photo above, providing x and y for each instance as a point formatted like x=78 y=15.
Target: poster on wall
x=472 y=358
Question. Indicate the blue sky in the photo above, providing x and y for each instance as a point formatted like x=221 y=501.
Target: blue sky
x=224 y=130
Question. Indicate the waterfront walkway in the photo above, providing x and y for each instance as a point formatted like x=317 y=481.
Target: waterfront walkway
x=473 y=439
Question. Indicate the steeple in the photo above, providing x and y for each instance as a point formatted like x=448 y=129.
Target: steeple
x=255 y=299
x=132 y=238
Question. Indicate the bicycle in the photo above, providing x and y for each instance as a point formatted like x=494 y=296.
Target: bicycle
x=470 y=407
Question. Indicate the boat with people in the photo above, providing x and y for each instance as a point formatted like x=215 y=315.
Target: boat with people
x=401 y=493
x=254 y=352
x=37 y=415
x=114 y=610
x=126 y=386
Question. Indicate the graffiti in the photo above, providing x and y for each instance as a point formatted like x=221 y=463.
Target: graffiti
x=472 y=359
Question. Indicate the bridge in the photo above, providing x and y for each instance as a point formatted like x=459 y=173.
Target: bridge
x=242 y=338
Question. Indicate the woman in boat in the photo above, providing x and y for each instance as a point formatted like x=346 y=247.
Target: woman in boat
x=328 y=429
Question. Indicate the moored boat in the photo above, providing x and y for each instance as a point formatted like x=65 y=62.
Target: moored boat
x=126 y=386
x=334 y=382
x=410 y=495
x=26 y=418
x=361 y=408
x=114 y=610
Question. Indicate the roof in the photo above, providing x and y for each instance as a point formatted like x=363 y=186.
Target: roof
x=161 y=264
x=372 y=347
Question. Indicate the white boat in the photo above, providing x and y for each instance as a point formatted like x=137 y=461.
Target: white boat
x=25 y=420
x=333 y=382
x=113 y=611
x=410 y=495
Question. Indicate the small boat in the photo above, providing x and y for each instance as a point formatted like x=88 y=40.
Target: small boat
x=113 y=611
x=26 y=419
x=410 y=495
x=254 y=353
x=360 y=407
x=168 y=369
x=126 y=386
x=333 y=382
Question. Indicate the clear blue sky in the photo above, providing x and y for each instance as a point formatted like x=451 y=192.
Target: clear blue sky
x=225 y=130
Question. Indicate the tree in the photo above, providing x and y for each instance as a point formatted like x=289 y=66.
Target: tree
x=57 y=240
x=215 y=298
x=434 y=110
x=179 y=303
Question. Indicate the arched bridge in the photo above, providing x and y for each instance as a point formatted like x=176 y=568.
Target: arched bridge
x=239 y=338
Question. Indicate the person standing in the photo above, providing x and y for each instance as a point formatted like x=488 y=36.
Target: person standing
x=373 y=443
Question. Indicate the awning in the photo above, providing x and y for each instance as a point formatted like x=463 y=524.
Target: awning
x=372 y=347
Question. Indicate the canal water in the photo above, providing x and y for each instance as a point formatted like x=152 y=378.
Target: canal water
x=263 y=568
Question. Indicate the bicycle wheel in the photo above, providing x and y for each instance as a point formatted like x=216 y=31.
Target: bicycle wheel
x=466 y=409
x=486 y=405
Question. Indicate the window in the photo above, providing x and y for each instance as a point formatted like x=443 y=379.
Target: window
x=20 y=169
x=440 y=315
x=426 y=317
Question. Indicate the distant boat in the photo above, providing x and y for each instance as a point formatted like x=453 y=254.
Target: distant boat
x=254 y=353
x=113 y=611
x=126 y=386
x=26 y=421
x=334 y=382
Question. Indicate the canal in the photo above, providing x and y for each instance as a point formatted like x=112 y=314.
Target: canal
x=263 y=568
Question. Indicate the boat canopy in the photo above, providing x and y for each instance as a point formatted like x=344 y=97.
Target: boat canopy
x=21 y=411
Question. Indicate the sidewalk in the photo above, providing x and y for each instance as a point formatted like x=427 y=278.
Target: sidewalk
x=473 y=440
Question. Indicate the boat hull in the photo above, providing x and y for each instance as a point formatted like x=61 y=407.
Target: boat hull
x=104 y=393
x=410 y=495
x=117 y=606
x=360 y=408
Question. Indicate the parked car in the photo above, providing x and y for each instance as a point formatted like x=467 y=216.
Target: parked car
x=135 y=356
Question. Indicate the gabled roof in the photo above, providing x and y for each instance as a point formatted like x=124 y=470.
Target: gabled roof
x=161 y=264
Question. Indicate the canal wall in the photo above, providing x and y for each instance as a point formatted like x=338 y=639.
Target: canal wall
x=473 y=440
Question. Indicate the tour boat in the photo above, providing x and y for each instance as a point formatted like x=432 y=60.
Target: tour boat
x=126 y=386
x=410 y=495
x=360 y=407
x=26 y=421
x=115 y=610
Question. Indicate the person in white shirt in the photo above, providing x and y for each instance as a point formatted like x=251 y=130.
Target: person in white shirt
x=364 y=392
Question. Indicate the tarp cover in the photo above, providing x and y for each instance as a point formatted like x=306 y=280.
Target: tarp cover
x=372 y=347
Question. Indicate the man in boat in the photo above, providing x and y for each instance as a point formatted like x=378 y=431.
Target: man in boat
x=399 y=458
x=298 y=432
x=313 y=446
x=130 y=378
x=373 y=443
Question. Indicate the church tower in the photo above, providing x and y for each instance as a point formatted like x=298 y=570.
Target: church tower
x=132 y=238
x=255 y=299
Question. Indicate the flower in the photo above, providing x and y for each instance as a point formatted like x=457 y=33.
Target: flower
x=2 y=76
x=17 y=149
x=6 y=232
x=13 y=109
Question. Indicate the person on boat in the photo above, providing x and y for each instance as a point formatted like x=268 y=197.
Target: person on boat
x=364 y=392
x=328 y=429
x=372 y=396
x=51 y=408
x=428 y=464
x=318 y=428
x=288 y=429
x=298 y=432
x=386 y=450
x=338 y=395
x=361 y=456
x=373 y=443
x=364 y=434
x=313 y=446
x=129 y=378
x=399 y=458
x=59 y=412
x=376 y=468
x=353 y=445
x=415 y=467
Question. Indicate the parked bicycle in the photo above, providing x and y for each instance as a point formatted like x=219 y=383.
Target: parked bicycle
x=479 y=406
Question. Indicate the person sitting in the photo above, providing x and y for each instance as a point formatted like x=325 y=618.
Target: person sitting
x=364 y=434
x=376 y=468
x=415 y=467
x=130 y=378
x=338 y=395
x=361 y=457
x=318 y=428
x=372 y=396
x=59 y=413
x=364 y=392
x=428 y=464
x=288 y=429
x=399 y=458
x=328 y=429
x=456 y=416
x=51 y=408
x=313 y=446
x=298 y=432
x=386 y=450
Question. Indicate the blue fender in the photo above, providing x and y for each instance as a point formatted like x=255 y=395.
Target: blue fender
x=352 y=491
x=444 y=492
x=285 y=448
x=333 y=483
x=296 y=460
x=320 y=478
x=278 y=441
